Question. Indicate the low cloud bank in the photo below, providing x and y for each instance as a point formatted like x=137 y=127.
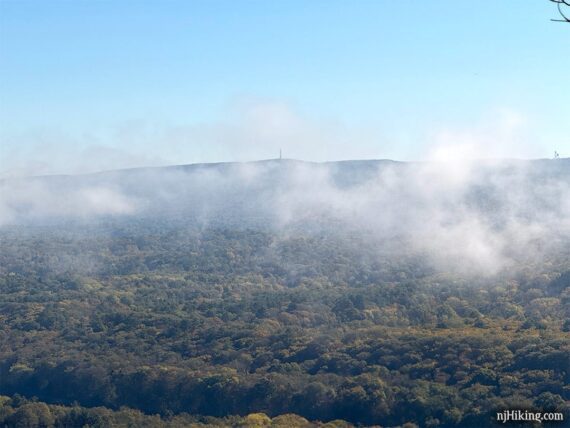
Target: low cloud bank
x=476 y=215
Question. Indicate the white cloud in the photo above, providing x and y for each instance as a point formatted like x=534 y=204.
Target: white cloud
x=504 y=134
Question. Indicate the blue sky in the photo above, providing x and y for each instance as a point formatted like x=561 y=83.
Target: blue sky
x=87 y=85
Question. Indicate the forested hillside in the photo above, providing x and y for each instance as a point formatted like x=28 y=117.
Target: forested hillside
x=149 y=320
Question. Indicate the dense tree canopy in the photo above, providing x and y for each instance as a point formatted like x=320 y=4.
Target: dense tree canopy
x=152 y=324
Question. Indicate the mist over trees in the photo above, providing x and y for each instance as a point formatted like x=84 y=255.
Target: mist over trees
x=284 y=293
x=498 y=210
x=144 y=283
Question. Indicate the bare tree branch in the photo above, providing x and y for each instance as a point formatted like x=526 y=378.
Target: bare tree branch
x=560 y=4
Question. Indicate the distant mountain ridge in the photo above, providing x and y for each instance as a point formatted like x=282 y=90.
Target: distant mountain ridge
x=283 y=191
x=559 y=163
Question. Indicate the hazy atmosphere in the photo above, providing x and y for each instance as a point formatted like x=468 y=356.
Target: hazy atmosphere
x=473 y=215
x=289 y=214
x=90 y=86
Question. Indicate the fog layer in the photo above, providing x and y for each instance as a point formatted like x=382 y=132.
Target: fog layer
x=475 y=215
